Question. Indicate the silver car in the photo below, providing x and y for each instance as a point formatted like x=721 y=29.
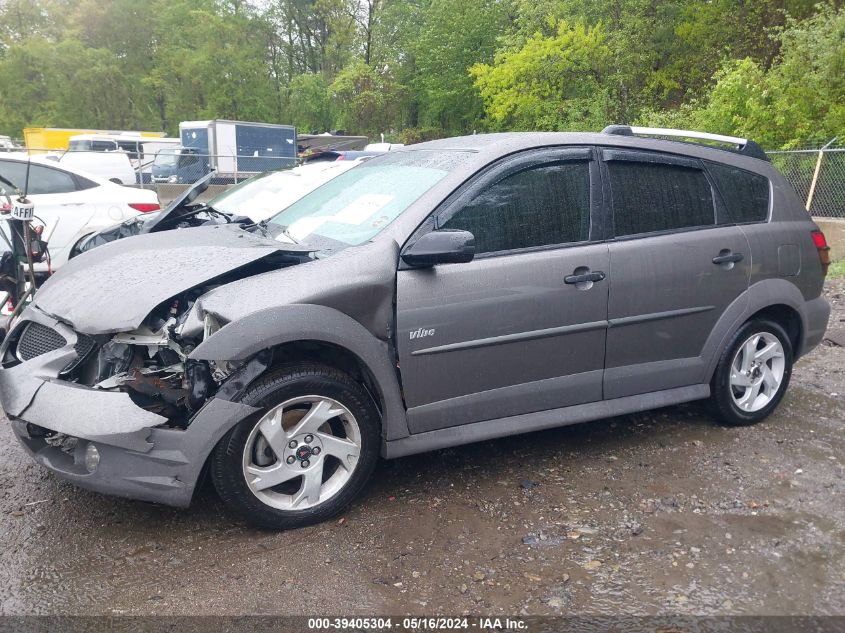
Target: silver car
x=444 y=293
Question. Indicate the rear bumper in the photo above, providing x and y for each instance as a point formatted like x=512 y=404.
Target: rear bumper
x=816 y=314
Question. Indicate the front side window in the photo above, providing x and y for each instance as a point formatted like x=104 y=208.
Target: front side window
x=41 y=179
x=746 y=194
x=652 y=197
x=104 y=146
x=132 y=148
x=354 y=207
x=539 y=206
x=189 y=159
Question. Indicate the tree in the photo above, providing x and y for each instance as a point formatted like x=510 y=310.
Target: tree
x=799 y=100
x=549 y=83
x=453 y=38
x=367 y=100
x=310 y=108
x=770 y=68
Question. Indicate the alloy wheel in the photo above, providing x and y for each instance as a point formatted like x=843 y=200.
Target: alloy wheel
x=757 y=371
x=301 y=452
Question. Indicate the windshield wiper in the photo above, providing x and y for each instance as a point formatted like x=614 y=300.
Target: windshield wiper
x=287 y=234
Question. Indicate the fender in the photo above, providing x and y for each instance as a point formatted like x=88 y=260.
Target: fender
x=269 y=327
x=758 y=296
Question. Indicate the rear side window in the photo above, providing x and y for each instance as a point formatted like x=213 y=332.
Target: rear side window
x=41 y=179
x=132 y=148
x=650 y=197
x=47 y=180
x=544 y=205
x=746 y=194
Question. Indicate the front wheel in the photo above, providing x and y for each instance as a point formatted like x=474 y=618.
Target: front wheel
x=306 y=457
x=753 y=373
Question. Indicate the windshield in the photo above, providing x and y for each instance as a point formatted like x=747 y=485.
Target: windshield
x=167 y=158
x=354 y=207
x=265 y=195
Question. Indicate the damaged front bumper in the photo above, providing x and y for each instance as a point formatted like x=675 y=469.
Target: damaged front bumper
x=140 y=456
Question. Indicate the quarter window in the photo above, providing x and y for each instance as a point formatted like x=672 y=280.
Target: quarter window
x=746 y=195
x=539 y=206
x=651 y=197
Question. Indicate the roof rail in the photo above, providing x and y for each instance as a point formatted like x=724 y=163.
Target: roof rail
x=741 y=145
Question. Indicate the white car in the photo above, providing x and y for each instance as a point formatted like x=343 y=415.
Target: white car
x=263 y=196
x=71 y=203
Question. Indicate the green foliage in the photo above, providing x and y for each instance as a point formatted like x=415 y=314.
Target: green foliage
x=454 y=37
x=412 y=135
x=310 y=106
x=837 y=269
x=549 y=83
x=773 y=70
x=367 y=99
x=799 y=100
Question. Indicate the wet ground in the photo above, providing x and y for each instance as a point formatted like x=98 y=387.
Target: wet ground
x=664 y=512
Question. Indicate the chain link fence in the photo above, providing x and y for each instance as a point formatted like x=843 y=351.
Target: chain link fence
x=818 y=176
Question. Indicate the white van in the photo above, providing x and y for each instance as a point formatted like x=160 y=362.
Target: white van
x=114 y=166
x=141 y=150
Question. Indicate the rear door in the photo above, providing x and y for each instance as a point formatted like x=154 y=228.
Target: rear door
x=508 y=333
x=676 y=264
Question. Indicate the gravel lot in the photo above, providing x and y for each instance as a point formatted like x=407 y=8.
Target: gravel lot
x=657 y=513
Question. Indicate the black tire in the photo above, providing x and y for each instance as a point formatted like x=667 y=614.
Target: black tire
x=721 y=398
x=284 y=383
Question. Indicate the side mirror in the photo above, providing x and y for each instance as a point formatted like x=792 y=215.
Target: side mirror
x=441 y=247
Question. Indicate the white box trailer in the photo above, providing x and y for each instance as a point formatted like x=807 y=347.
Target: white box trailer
x=235 y=149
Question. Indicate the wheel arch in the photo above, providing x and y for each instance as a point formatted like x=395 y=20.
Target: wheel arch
x=314 y=332
x=776 y=299
x=332 y=355
x=785 y=316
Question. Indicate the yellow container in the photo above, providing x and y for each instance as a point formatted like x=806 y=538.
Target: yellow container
x=44 y=139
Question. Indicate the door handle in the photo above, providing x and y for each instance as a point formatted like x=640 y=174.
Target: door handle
x=583 y=278
x=727 y=257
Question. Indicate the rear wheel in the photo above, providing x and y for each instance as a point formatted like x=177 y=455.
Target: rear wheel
x=307 y=456
x=753 y=373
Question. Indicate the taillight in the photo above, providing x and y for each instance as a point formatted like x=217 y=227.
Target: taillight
x=823 y=249
x=145 y=207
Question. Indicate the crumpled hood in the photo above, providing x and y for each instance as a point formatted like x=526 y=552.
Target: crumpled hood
x=114 y=287
x=358 y=281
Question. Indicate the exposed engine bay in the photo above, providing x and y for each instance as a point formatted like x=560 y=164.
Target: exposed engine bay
x=150 y=363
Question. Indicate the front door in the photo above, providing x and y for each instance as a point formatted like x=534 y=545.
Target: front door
x=519 y=329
